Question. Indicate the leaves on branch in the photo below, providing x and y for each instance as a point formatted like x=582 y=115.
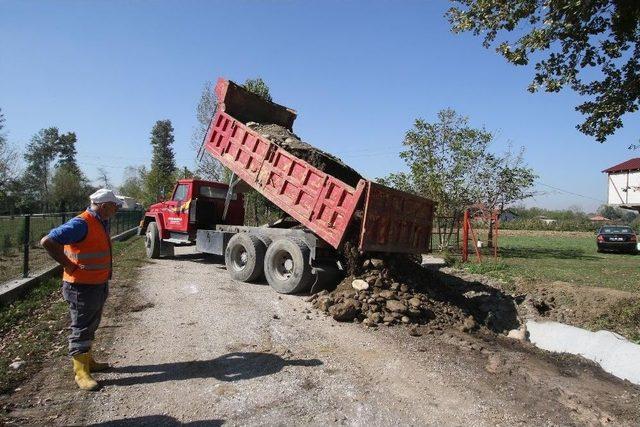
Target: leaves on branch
x=591 y=47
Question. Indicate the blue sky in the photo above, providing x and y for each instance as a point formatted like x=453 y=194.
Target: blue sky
x=358 y=73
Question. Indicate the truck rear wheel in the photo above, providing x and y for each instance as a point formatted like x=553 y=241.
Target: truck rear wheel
x=244 y=257
x=152 y=241
x=286 y=266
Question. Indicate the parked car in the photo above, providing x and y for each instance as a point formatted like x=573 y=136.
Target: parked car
x=617 y=238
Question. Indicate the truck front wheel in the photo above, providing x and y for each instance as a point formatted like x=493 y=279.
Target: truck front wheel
x=286 y=266
x=152 y=241
x=244 y=257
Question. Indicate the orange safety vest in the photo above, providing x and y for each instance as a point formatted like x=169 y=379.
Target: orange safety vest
x=93 y=253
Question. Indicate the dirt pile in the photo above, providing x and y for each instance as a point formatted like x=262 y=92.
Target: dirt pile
x=392 y=290
x=291 y=142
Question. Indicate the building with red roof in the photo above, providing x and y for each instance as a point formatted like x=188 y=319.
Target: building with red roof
x=624 y=184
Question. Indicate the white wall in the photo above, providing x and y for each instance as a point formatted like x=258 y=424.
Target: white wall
x=629 y=181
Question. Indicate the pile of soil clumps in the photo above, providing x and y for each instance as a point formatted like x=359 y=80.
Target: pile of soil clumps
x=291 y=142
x=391 y=290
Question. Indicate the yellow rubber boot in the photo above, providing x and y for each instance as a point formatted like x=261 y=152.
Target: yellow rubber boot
x=96 y=366
x=83 y=375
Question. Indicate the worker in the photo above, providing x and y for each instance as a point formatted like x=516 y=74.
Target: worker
x=83 y=247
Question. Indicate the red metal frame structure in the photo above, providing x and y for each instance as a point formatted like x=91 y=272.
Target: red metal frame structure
x=493 y=219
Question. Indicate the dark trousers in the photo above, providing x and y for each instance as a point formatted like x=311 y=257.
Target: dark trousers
x=85 y=308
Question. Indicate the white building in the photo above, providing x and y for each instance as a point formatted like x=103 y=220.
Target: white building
x=128 y=203
x=624 y=184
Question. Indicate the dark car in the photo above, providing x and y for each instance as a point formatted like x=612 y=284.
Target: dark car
x=617 y=238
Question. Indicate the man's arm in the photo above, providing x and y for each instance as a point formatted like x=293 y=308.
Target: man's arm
x=73 y=231
x=56 y=251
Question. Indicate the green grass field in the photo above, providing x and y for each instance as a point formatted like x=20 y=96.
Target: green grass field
x=571 y=257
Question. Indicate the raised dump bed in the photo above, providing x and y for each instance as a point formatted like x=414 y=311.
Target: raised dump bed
x=311 y=188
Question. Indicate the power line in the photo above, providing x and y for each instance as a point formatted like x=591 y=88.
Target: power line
x=570 y=192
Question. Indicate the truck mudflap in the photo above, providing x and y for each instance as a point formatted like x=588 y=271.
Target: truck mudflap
x=395 y=221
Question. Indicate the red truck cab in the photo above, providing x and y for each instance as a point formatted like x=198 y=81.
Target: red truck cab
x=194 y=204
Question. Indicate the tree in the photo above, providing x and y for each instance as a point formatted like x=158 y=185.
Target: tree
x=66 y=150
x=591 y=47
x=160 y=178
x=185 y=173
x=8 y=158
x=36 y=180
x=133 y=182
x=443 y=166
x=70 y=189
x=103 y=178
x=259 y=87
x=615 y=213
x=503 y=180
x=207 y=166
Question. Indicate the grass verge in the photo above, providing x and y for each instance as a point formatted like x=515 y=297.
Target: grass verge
x=589 y=296
x=33 y=329
x=569 y=257
x=622 y=317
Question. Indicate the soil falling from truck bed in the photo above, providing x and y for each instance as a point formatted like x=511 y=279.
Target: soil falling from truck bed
x=291 y=142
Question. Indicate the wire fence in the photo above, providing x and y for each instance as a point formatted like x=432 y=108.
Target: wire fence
x=20 y=250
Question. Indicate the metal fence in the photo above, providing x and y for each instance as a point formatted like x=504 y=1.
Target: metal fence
x=451 y=238
x=20 y=251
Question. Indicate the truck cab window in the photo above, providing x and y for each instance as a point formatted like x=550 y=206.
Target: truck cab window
x=180 y=193
x=215 y=192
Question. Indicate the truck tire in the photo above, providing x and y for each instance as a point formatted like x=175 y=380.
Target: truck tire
x=286 y=266
x=244 y=257
x=264 y=239
x=152 y=241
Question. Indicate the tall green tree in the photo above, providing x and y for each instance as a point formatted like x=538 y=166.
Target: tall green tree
x=66 y=150
x=39 y=156
x=70 y=188
x=589 y=46
x=161 y=177
x=443 y=159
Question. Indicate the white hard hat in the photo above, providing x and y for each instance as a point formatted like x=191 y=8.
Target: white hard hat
x=104 y=195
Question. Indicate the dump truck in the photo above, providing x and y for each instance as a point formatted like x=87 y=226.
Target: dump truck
x=329 y=209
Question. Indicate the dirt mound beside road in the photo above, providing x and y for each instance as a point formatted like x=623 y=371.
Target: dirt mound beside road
x=394 y=290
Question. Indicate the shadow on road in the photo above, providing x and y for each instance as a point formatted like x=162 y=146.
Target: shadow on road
x=200 y=258
x=229 y=367
x=157 y=420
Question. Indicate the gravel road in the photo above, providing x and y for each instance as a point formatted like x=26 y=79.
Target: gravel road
x=190 y=345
